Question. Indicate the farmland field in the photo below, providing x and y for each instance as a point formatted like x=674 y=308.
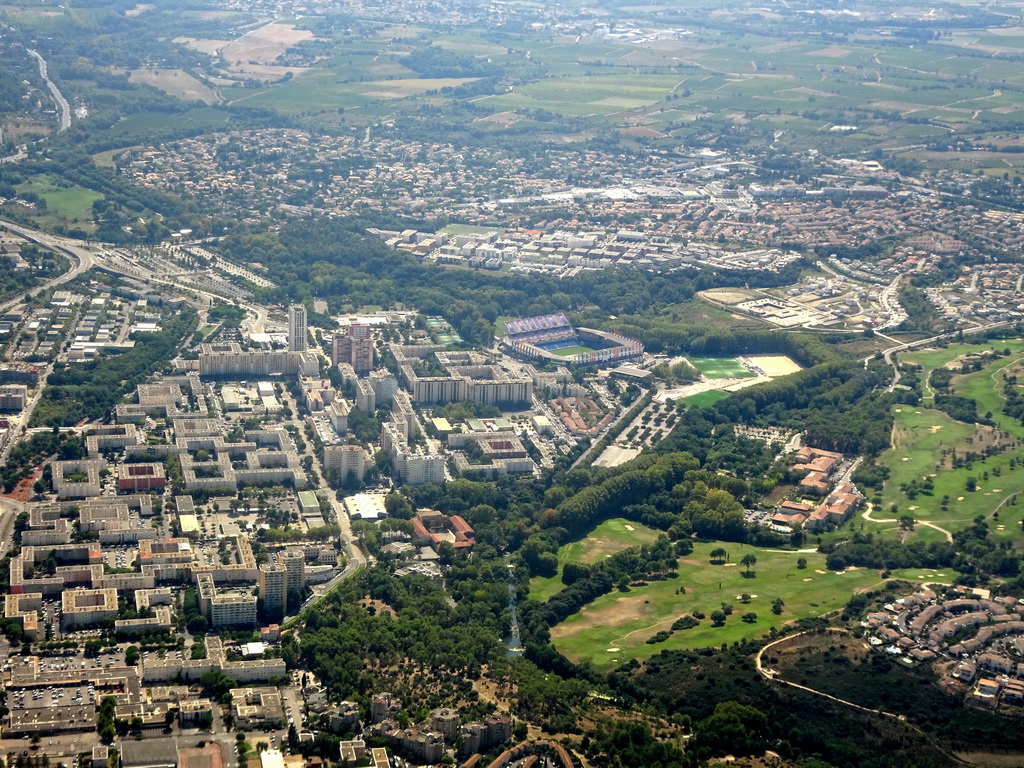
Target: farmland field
x=721 y=367
x=614 y=628
x=174 y=82
x=605 y=540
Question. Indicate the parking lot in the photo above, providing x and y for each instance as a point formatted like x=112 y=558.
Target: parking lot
x=54 y=696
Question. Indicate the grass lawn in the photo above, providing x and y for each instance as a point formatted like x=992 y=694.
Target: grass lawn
x=614 y=628
x=568 y=351
x=920 y=435
x=721 y=367
x=930 y=359
x=926 y=575
x=605 y=540
x=68 y=200
x=710 y=397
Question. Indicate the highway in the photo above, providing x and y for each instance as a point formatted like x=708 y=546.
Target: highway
x=63 y=108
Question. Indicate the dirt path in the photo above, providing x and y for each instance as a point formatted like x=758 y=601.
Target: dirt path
x=772 y=676
x=949 y=536
x=995 y=384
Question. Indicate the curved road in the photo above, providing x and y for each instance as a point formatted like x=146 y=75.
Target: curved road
x=887 y=355
x=81 y=259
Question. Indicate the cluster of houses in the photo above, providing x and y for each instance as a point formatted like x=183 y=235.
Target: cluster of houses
x=838 y=500
x=982 y=636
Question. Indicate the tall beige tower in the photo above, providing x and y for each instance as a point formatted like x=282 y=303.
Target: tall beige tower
x=274 y=590
x=297 y=333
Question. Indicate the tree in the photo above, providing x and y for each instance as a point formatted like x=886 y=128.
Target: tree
x=131 y=655
x=719 y=555
x=801 y=563
x=717 y=618
x=777 y=606
x=734 y=728
x=971 y=484
x=906 y=522
x=749 y=618
x=749 y=561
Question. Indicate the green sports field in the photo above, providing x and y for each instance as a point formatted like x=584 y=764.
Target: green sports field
x=569 y=351
x=710 y=397
x=721 y=367
x=615 y=627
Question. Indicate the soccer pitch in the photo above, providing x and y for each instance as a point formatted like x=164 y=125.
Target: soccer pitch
x=721 y=367
x=567 y=351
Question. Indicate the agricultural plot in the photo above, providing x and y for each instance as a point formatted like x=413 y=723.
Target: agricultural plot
x=721 y=367
x=175 y=82
x=615 y=628
x=605 y=540
x=327 y=89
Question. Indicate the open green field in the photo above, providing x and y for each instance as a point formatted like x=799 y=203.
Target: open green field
x=920 y=436
x=579 y=349
x=614 y=628
x=68 y=200
x=710 y=397
x=605 y=540
x=721 y=367
x=930 y=359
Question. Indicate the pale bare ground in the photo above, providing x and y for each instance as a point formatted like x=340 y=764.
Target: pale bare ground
x=778 y=47
x=479 y=48
x=265 y=44
x=210 y=47
x=23 y=11
x=805 y=91
x=622 y=610
x=1006 y=31
x=254 y=53
x=173 y=82
x=726 y=296
x=991 y=759
x=774 y=365
x=17 y=128
x=106 y=159
x=831 y=52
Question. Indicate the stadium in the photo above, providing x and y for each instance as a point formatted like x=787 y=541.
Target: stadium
x=553 y=337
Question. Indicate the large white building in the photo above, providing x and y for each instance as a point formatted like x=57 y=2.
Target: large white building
x=297 y=334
